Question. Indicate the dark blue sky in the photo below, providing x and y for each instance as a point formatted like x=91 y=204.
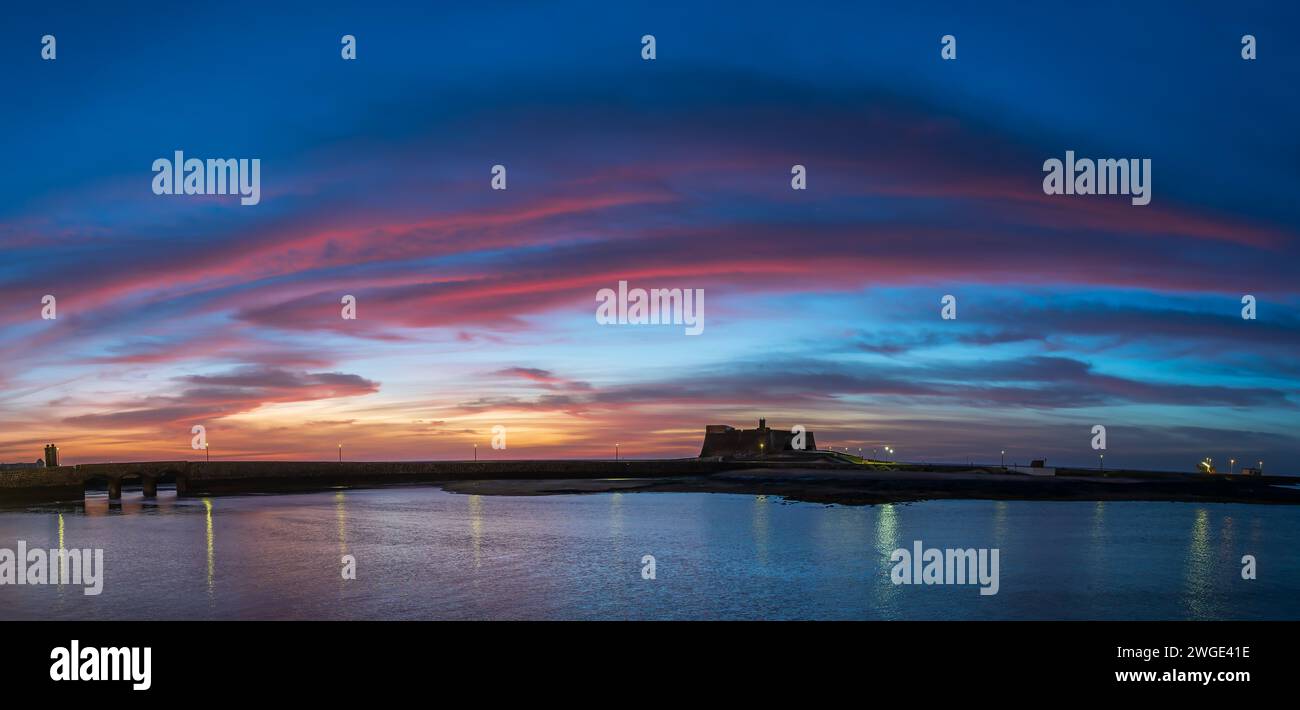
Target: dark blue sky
x=924 y=180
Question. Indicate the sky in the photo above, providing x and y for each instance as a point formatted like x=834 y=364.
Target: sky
x=476 y=307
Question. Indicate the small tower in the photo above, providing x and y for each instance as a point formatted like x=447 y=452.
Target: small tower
x=51 y=455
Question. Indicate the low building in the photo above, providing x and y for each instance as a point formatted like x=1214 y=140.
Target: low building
x=20 y=466
x=723 y=440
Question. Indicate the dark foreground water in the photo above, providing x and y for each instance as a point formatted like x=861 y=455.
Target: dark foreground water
x=422 y=553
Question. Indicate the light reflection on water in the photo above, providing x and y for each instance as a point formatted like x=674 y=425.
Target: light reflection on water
x=207 y=514
x=424 y=553
x=761 y=505
x=1199 y=566
x=886 y=530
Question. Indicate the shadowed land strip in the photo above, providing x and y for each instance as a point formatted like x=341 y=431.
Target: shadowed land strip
x=868 y=487
x=825 y=479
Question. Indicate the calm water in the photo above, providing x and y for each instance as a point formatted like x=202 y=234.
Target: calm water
x=425 y=554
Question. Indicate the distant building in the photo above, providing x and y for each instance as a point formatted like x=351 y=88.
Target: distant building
x=1038 y=463
x=51 y=455
x=19 y=466
x=1251 y=472
x=723 y=440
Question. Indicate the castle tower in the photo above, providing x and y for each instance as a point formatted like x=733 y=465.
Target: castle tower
x=51 y=455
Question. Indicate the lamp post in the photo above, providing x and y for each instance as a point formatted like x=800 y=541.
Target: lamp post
x=476 y=453
x=1004 y=458
x=1261 y=468
x=340 y=453
x=616 y=445
x=1101 y=462
x=1232 y=466
x=206 y=456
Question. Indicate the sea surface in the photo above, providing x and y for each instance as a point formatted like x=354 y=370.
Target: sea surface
x=423 y=553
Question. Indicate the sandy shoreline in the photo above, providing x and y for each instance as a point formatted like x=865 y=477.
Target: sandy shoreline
x=869 y=487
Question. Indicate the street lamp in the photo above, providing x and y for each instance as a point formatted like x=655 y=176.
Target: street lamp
x=476 y=453
x=340 y=453
x=1232 y=465
x=1101 y=462
x=206 y=455
x=1004 y=458
x=616 y=445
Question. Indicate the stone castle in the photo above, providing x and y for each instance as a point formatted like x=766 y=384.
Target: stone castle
x=723 y=440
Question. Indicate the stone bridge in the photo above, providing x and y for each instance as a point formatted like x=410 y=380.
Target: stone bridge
x=59 y=483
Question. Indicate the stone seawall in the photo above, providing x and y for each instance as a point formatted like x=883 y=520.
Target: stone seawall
x=68 y=483
x=232 y=477
x=41 y=484
x=270 y=476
